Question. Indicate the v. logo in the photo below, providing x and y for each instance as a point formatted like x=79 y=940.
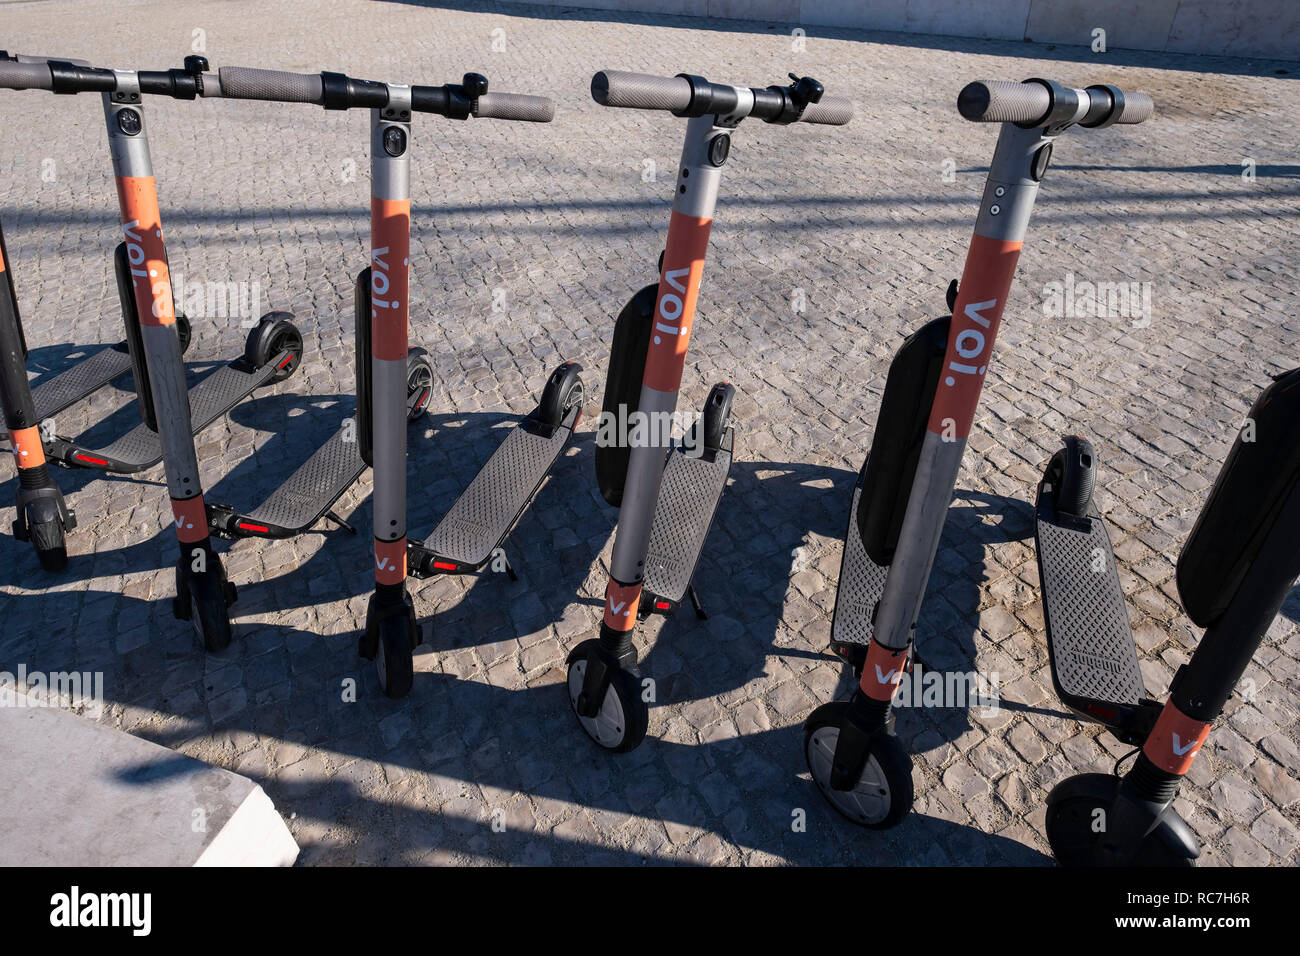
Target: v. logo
x=1180 y=749
x=885 y=679
x=383 y=564
x=617 y=609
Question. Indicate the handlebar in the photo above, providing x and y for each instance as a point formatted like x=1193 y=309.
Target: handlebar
x=1041 y=102
x=338 y=92
x=686 y=95
x=332 y=90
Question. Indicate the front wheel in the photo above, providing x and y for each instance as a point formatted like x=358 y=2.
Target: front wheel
x=1078 y=810
x=210 y=610
x=390 y=639
x=48 y=540
x=883 y=794
x=620 y=724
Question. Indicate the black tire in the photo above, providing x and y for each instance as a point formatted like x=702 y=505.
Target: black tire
x=51 y=548
x=184 y=332
x=563 y=392
x=1075 y=467
x=419 y=375
x=717 y=414
x=886 y=780
x=273 y=335
x=395 y=657
x=210 y=610
x=1069 y=827
x=624 y=717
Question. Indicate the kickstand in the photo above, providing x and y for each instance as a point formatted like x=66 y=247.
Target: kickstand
x=340 y=522
x=695 y=603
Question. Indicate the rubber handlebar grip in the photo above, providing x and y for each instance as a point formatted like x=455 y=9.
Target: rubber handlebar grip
x=831 y=110
x=245 y=83
x=640 y=91
x=25 y=76
x=1003 y=101
x=515 y=106
x=1138 y=108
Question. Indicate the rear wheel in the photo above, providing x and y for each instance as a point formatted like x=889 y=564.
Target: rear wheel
x=275 y=334
x=183 y=331
x=419 y=378
x=563 y=393
x=1075 y=470
x=717 y=414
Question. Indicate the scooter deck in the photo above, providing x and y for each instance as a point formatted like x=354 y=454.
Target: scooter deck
x=141 y=447
x=309 y=492
x=73 y=384
x=1089 y=637
x=688 y=498
x=305 y=496
x=861 y=584
x=489 y=507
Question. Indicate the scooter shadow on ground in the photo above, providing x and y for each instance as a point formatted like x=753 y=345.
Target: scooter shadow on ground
x=517 y=745
x=347 y=763
x=756 y=611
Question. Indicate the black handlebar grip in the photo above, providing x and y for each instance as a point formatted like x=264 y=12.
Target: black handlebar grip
x=1002 y=101
x=641 y=91
x=515 y=106
x=16 y=75
x=1138 y=108
x=830 y=110
x=245 y=83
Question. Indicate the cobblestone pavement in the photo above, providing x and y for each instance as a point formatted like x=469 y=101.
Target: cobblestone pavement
x=561 y=225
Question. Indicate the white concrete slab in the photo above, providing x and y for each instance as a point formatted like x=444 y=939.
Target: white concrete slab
x=77 y=793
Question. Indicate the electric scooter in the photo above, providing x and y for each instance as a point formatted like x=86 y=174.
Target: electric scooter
x=273 y=350
x=481 y=519
x=902 y=494
x=667 y=491
x=1235 y=571
x=90 y=374
x=311 y=491
x=262 y=363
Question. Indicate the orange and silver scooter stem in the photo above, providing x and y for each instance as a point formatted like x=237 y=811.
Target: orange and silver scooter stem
x=390 y=614
x=203 y=595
